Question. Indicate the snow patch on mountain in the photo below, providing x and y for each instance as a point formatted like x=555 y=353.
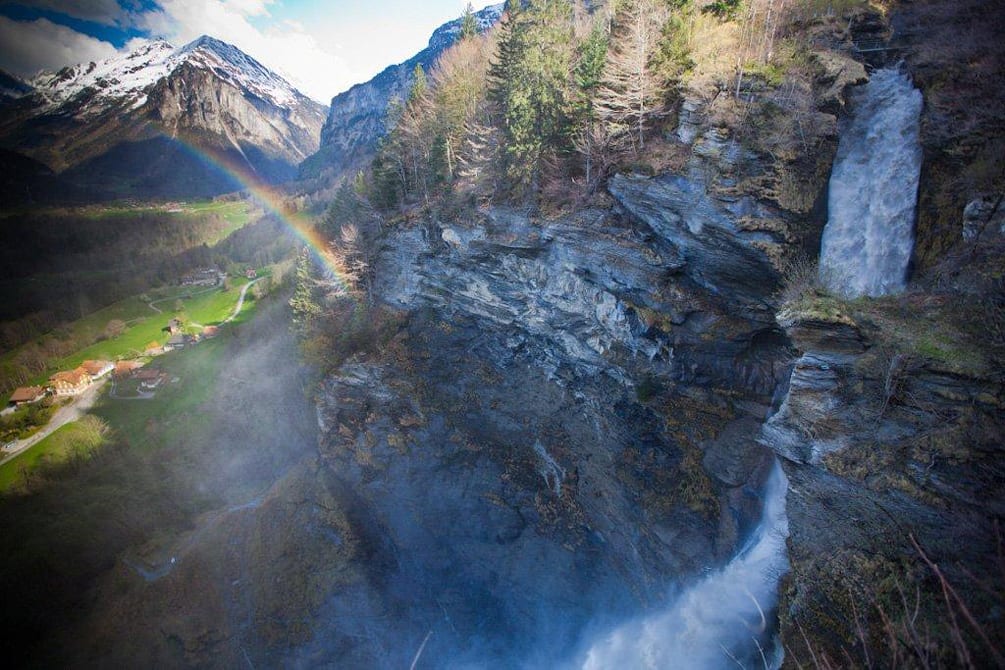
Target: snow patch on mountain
x=446 y=34
x=238 y=68
x=112 y=79
x=125 y=80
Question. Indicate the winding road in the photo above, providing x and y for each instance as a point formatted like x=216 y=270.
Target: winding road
x=63 y=416
x=237 y=308
x=86 y=400
x=240 y=301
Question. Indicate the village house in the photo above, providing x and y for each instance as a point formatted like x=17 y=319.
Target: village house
x=210 y=331
x=69 y=383
x=153 y=349
x=174 y=326
x=202 y=277
x=251 y=273
x=25 y=395
x=97 y=369
x=176 y=341
x=124 y=369
x=149 y=378
x=179 y=341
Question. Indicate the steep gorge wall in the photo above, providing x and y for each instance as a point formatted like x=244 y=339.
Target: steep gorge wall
x=573 y=417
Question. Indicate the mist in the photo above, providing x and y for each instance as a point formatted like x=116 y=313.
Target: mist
x=724 y=620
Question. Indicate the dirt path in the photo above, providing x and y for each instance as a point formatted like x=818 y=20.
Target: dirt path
x=153 y=305
x=85 y=401
x=240 y=301
x=63 y=416
x=237 y=309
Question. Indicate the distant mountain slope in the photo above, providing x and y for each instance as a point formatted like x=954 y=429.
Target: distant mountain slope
x=356 y=117
x=157 y=112
x=24 y=181
x=12 y=87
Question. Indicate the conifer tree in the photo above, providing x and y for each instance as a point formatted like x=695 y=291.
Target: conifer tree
x=529 y=84
x=469 y=25
x=304 y=303
x=419 y=84
x=592 y=54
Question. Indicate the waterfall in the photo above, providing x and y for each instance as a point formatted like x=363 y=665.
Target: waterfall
x=868 y=238
x=723 y=620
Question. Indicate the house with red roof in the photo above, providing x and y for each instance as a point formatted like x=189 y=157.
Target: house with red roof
x=97 y=369
x=70 y=383
x=26 y=394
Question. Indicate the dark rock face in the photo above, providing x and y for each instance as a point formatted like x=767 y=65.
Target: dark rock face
x=12 y=88
x=878 y=451
x=493 y=489
x=715 y=253
x=609 y=293
x=527 y=480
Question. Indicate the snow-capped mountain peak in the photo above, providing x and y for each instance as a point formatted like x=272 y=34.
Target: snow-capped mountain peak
x=114 y=78
x=237 y=67
x=125 y=79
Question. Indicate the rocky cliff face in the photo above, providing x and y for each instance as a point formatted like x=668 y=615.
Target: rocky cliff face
x=891 y=424
x=570 y=418
x=563 y=430
x=559 y=432
x=883 y=449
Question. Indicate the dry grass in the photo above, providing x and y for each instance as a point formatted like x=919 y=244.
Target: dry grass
x=907 y=616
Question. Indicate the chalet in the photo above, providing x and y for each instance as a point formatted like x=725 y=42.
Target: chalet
x=251 y=273
x=149 y=378
x=124 y=369
x=202 y=277
x=179 y=341
x=73 y=382
x=25 y=395
x=176 y=341
x=210 y=331
x=174 y=326
x=97 y=369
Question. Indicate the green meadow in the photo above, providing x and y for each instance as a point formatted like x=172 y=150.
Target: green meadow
x=145 y=326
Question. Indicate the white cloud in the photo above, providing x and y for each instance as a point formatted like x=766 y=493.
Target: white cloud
x=284 y=47
x=107 y=12
x=30 y=46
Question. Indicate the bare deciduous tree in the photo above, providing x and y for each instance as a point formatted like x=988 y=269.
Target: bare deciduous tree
x=631 y=93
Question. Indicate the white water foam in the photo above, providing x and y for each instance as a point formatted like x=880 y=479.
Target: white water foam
x=721 y=621
x=869 y=236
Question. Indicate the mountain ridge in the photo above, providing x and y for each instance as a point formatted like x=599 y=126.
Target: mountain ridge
x=355 y=121
x=119 y=118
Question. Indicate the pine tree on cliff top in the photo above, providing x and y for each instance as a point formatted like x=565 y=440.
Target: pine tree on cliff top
x=469 y=25
x=529 y=83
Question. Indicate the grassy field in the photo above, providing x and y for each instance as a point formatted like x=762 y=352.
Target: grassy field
x=146 y=326
x=151 y=424
x=55 y=449
x=172 y=415
x=236 y=420
x=236 y=213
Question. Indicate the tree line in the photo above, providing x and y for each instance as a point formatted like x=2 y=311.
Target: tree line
x=557 y=91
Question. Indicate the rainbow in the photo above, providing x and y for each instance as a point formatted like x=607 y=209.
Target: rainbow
x=274 y=203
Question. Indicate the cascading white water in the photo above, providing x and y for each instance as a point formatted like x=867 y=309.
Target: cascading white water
x=721 y=620
x=868 y=238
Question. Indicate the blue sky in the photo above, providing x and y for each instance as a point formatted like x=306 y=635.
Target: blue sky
x=322 y=46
